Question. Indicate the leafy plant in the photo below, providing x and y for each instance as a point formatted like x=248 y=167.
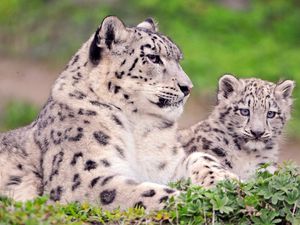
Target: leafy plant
x=265 y=200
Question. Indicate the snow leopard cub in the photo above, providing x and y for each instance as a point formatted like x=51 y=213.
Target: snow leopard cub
x=245 y=128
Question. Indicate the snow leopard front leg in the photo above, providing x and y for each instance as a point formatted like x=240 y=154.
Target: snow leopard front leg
x=118 y=191
x=204 y=169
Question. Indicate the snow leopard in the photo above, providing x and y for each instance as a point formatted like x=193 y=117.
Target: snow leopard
x=245 y=128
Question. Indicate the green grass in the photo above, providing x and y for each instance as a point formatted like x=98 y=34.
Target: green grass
x=17 y=114
x=266 y=200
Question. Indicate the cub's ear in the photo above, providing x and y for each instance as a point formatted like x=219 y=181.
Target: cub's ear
x=283 y=90
x=228 y=85
x=112 y=30
x=149 y=24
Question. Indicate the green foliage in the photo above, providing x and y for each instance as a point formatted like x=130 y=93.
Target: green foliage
x=265 y=200
x=17 y=114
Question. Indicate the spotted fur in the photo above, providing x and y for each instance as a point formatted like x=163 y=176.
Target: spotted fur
x=245 y=128
x=107 y=134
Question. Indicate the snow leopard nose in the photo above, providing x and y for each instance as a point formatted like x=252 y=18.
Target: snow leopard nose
x=257 y=133
x=186 y=90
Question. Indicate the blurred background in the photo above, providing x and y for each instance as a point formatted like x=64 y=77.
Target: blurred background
x=247 y=38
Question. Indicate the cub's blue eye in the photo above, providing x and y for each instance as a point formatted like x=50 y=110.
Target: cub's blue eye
x=271 y=114
x=154 y=58
x=245 y=112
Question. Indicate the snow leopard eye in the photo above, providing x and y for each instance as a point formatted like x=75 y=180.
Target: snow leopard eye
x=155 y=59
x=245 y=112
x=271 y=114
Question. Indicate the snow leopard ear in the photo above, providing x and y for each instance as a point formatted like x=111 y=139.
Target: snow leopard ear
x=111 y=31
x=283 y=90
x=228 y=85
x=149 y=24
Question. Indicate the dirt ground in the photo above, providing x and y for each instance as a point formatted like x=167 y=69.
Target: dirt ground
x=32 y=81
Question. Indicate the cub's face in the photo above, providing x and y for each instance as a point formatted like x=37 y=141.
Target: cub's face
x=255 y=110
x=142 y=67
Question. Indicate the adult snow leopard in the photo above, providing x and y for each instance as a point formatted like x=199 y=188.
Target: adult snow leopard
x=107 y=134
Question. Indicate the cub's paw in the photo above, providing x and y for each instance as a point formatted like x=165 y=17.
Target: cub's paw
x=208 y=171
x=210 y=175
